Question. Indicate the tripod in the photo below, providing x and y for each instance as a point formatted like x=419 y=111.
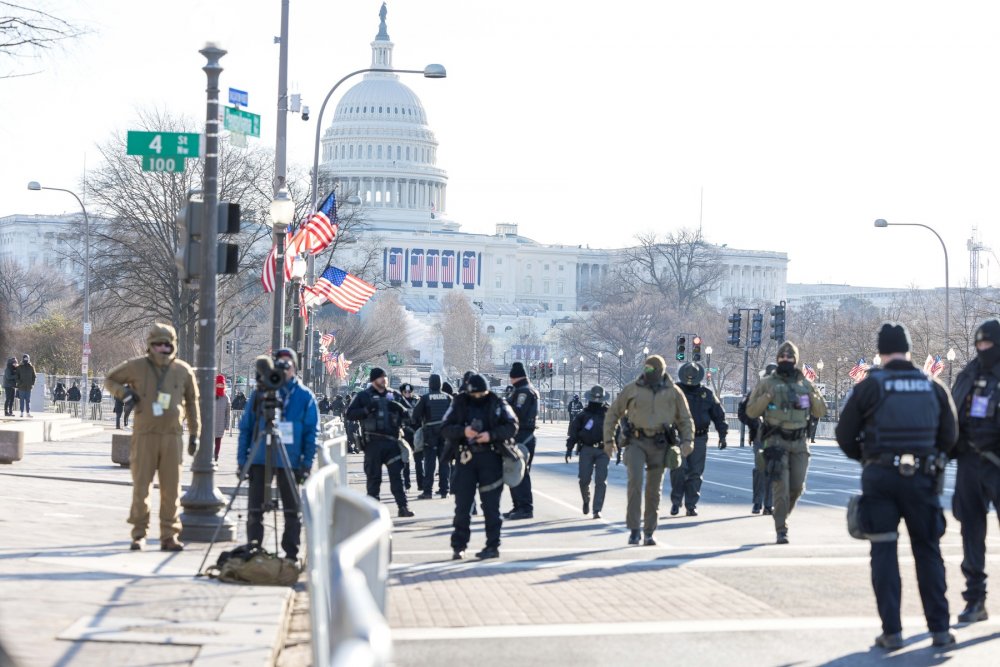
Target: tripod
x=267 y=435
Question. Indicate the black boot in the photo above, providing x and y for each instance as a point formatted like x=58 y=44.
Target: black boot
x=634 y=537
x=974 y=612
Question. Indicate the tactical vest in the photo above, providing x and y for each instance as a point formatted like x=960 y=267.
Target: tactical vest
x=786 y=410
x=905 y=418
x=595 y=433
x=980 y=415
x=384 y=421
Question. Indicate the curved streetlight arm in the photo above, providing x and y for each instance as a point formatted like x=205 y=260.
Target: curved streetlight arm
x=322 y=109
x=947 y=306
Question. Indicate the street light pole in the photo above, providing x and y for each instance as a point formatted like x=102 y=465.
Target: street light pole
x=621 y=353
x=565 y=361
x=947 y=306
x=581 y=373
x=84 y=370
x=708 y=363
x=281 y=200
x=599 y=356
x=951 y=361
x=432 y=71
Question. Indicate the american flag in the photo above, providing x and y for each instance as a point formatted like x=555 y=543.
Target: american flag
x=326 y=340
x=395 y=270
x=331 y=366
x=928 y=364
x=858 y=372
x=937 y=366
x=432 y=267
x=809 y=372
x=447 y=268
x=342 y=366
x=319 y=231
x=293 y=246
x=433 y=209
x=416 y=267
x=469 y=269
x=341 y=289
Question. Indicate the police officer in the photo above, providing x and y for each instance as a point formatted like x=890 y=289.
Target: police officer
x=586 y=434
x=574 y=407
x=653 y=405
x=381 y=415
x=524 y=400
x=785 y=399
x=977 y=483
x=407 y=399
x=900 y=423
x=685 y=481
x=337 y=406
x=477 y=424
x=763 y=497
x=428 y=415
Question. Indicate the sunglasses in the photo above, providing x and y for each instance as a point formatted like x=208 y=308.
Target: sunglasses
x=166 y=346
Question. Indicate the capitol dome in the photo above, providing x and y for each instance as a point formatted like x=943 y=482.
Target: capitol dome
x=380 y=147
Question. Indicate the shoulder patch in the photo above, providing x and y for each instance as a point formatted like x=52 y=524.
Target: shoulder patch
x=522 y=398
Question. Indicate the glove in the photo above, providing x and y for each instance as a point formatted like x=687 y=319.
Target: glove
x=687 y=448
x=569 y=453
x=129 y=396
x=192 y=445
x=722 y=443
x=301 y=475
x=610 y=448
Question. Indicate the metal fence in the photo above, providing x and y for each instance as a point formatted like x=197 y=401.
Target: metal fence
x=348 y=538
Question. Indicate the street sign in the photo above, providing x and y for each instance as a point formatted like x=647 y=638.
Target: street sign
x=164 y=144
x=173 y=164
x=238 y=97
x=86 y=349
x=86 y=328
x=244 y=122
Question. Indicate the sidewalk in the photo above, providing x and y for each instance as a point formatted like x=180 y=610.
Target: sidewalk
x=71 y=593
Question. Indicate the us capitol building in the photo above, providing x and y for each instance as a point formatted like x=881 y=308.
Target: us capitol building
x=381 y=147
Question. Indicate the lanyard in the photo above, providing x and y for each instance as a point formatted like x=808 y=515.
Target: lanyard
x=159 y=378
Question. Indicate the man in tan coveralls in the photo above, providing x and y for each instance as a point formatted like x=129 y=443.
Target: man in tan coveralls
x=164 y=392
x=652 y=403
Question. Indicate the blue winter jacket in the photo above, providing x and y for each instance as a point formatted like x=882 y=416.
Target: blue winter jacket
x=299 y=407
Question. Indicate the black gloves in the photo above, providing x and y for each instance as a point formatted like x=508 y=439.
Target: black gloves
x=192 y=445
x=722 y=442
x=569 y=453
x=129 y=396
x=301 y=475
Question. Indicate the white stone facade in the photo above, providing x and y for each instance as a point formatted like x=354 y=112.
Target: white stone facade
x=45 y=243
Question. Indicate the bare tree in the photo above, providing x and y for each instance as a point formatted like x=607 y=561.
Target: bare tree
x=135 y=277
x=367 y=340
x=24 y=297
x=460 y=327
x=682 y=266
x=27 y=31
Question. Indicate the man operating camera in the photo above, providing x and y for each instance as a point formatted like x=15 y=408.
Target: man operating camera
x=282 y=404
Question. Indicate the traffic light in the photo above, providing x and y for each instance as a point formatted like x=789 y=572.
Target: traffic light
x=778 y=322
x=681 y=348
x=229 y=347
x=189 y=226
x=228 y=221
x=696 y=349
x=552 y=369
x=756 y=329
x=735 y=326
x=533 y=370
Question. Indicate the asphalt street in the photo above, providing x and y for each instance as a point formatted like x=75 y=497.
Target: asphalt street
x=715 y=589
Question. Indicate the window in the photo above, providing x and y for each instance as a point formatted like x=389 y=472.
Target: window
x=379 y=152
x=499 y=282
x=527 y=284
x=559 y=306
x=545 y=287
x=546 y=267
x=559 y=287
x=407 y=153
x=370 y=151
x=499 y=260
x=560 y=267
x=398 y=152
x=527 y=266
x=491 y=330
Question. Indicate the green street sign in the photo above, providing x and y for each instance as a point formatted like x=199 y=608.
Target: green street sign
x=242 y=122
x=164 y=144
x=173 y=164
x=395 y=359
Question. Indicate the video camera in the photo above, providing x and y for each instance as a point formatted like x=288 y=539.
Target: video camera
x=270 y=374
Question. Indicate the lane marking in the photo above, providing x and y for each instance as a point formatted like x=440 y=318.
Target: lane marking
x=610 y=524
x=911 y=624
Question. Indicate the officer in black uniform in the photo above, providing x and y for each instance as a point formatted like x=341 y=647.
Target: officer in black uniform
x=900 y=424
x=381 y=415
x=337 y=406
x=977 y=484
x=585 y=433
x=524 y=400
x=574 y=407
x=323 y=405
x=477 y=424
x=685 y=481
x=428 y=414
x=409 y=400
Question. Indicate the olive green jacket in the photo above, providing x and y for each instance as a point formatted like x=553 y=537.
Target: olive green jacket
x=776 y=398
x=650 y=408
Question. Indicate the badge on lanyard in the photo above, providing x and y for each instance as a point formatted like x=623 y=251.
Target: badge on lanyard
x=804 y=402
x=589 y=425
x=979 y=406
x=287 y=430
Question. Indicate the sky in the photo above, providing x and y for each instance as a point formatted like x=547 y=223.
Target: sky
x=775 y=125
